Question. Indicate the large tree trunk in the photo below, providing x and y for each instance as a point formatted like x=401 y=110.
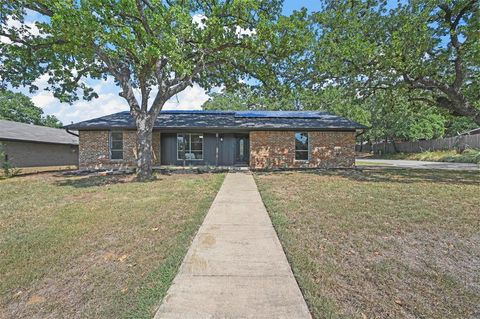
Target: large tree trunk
x=144 y=147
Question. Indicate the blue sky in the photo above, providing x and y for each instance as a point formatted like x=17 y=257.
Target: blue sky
x=109 y=101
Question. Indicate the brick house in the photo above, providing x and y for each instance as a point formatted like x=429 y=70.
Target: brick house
x=258 y=139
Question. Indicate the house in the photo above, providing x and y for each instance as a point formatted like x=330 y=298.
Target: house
x=258 y=139
x=27 y=145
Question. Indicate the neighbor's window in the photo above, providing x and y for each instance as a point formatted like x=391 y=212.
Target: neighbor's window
x=301 y=146
x=190 y=146
x=116 y=145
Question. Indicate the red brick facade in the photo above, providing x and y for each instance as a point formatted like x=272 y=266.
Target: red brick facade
x=268 y=149
x=276 y=150
x=94 y=150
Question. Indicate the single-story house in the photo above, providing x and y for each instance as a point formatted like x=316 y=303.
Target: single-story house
x=258 y=139
x=27 y=145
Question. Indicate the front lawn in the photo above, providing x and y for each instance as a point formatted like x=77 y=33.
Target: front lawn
x=95 y=247
x=380 y=243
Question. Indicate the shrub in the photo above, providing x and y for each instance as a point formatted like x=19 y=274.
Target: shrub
x=8 y=169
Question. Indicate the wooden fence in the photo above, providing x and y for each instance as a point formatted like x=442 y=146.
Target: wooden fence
x=449 y=143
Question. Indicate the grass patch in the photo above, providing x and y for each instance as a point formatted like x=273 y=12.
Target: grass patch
x=468 y=156
x=95 y=247
x=363 y=163
x=380 y=244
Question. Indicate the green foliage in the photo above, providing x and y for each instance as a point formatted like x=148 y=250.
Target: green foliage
x=150 y=46
x=427 y=49
x=20 y=108
x=8 y=169
x=389 y=114
x=247 y=98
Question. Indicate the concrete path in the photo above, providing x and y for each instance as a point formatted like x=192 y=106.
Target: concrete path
x=235 y=267
x=365 y=163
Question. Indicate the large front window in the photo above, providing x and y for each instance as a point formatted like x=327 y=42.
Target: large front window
x=189 y=146
x=301 y=146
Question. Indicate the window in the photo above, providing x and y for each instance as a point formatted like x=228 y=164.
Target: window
x=301 y=146
x=189 y=146
x=116 y=145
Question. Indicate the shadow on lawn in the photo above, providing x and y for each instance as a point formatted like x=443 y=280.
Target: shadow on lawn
x=405 y=175
x=92 y=181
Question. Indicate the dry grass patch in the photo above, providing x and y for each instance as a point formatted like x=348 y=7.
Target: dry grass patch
x=467 y=156
x=95 y=247
x=380 y=243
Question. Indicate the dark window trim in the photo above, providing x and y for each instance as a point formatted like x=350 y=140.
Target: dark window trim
x=190 y=145
x=308 y=147
x=110 y=146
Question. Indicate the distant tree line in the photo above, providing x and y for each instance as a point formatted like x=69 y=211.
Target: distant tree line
x=20 y=108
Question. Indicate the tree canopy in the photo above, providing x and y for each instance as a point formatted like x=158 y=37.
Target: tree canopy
x=388 y=114
x=408 y=70
x=20 y=108
x=429 y=50
x=153 y=49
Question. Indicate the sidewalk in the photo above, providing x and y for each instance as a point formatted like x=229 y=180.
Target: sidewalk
x=235 y=267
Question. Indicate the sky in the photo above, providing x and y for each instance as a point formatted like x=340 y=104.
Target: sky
x=110 y=102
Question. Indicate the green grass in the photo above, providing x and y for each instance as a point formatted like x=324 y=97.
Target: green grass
x=380 y=244
x=363 y=163
x=468 y=156
x=95 y=247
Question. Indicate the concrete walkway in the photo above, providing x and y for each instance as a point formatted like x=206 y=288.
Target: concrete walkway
x=235 y=267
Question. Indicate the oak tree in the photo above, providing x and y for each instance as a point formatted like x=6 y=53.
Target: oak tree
x=153 y=49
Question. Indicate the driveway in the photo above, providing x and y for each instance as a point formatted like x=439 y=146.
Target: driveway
x=384 y=163
x=235 y=267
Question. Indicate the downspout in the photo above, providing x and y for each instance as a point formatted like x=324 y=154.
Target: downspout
x=360 y=134
x=216 y=150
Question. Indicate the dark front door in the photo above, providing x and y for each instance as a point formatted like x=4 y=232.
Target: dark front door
x=242 y=149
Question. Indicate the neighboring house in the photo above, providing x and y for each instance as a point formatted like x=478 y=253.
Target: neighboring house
x=27 y=145
x=259 y=139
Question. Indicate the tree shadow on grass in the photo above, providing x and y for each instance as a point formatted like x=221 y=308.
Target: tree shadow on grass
x=407 y=176
x=94 y=181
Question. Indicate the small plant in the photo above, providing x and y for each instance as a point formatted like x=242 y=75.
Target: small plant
x=8 y=169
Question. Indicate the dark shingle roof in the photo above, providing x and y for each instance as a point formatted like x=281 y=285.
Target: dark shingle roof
x=227 y=120
x=10 y=130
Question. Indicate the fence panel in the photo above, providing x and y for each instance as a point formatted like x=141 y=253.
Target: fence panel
x=449 y=143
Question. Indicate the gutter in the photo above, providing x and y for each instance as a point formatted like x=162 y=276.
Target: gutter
x=360 y=134
x=70 y=132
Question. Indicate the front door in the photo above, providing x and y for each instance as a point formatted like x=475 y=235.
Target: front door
x=242 y=149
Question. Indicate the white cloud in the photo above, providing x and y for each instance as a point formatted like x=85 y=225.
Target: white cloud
x=83 y=110
x=191 y=98
x=110 y=102
x=199 y=19
x=15 y=24
x=43 y=99
x=245 y=32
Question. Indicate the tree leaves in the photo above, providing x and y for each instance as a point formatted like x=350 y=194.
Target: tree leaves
x=424 y=46
x=19 y=108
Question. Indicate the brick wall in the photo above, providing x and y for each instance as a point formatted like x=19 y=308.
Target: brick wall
x=276 y=149
x=94 y=149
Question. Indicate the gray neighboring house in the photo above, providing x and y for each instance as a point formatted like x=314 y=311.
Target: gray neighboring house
x=27 y=145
